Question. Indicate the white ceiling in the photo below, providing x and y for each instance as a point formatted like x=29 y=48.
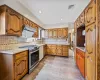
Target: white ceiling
x=52 y=11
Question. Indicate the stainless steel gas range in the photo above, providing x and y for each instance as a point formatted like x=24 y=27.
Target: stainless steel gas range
x=33 y=56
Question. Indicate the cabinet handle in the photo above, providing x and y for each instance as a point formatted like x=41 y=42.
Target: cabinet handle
x=90 y=59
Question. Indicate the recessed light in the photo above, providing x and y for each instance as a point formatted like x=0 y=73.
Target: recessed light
x=40 y=11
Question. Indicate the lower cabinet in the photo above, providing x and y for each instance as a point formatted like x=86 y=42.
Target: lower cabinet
x=59 y=50
x=13 y=66
x=21 y=67
x=80 y=61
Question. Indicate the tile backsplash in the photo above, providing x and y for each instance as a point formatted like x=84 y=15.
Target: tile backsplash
x=12 y=42
x=56 y=41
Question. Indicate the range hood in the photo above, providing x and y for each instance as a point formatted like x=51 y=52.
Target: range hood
x=28 y=31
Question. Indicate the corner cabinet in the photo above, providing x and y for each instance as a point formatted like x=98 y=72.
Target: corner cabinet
x=14 y=23
x=90 y=13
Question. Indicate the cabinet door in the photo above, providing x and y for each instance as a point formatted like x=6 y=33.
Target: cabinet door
x=90 y=52
x=65 y=32
x=54 y=33
x=50 y=33
x=21 y=67
x=82 y=18
x=90 y=13
x=26 y=21
x=65 y=51
x=59 y=33
x=36 y=32
x=82 y=65
x=59 y=52
x=14 y=23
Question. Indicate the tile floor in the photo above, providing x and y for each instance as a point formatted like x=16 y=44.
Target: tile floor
x=55 y=68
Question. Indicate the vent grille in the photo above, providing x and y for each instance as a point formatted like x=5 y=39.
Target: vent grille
x=71 y=6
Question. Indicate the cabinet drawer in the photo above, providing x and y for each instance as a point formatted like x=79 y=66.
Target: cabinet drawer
x=21 y=54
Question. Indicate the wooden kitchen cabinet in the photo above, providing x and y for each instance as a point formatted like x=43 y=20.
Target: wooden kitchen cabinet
x=59 y=50
x=26 y=21
x=80 y=61
x=60 y=33
x=20 y=64
x=65 y=50
x=36 y=34
x=14 y=66
x=90 y=52
x=90 y=13
x=14 y=23
x=65 y=32
x=11 y=21
x=50 y=33
x=46 y=33
x=82 y=18
x=21 y=67
x=55 y=33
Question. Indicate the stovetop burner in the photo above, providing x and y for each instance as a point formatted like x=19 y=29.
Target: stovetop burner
x=30 y=47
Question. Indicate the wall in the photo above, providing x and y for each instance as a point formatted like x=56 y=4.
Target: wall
x=16 y=5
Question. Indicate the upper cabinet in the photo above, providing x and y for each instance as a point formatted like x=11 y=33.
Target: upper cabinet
x=82 y=19
x=90 y=13
x=56 y=33
x=36 y=27
x=26 y=21
x=11 y=21
x=14 y=23
x=31 y=24
x=59 y=33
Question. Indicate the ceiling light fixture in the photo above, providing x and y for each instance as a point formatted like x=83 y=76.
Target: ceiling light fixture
x=40 y=12
x=61 y=19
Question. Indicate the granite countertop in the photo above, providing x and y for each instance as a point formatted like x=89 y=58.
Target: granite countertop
x=58 y=43
x=17 y=50
x=14 y=51
x=81 y=48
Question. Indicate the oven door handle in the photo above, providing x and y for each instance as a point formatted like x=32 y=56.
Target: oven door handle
x=33 y=51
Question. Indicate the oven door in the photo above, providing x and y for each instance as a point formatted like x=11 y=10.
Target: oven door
x=33 y=58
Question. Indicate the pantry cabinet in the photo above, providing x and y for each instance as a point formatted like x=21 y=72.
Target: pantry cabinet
x=90 y=52
x=90 y=13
